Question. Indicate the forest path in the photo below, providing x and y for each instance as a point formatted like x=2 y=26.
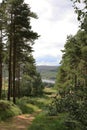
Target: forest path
x=20 y=122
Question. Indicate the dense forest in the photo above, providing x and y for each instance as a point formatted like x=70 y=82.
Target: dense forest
x=72 y=75
x=16 y=47
x=62 y=107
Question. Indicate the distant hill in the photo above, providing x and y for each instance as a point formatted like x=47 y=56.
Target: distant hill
x=48 y=72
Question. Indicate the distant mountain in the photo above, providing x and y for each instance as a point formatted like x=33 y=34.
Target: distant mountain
x=48 y=72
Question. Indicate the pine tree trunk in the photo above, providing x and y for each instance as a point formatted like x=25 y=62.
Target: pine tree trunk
x=10 y=71
x=18 y=80
x=10 y=63
x=14 y=66
x=1 y=64
x=14 y=72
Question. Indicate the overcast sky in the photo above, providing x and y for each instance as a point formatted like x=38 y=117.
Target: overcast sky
x=56 y=20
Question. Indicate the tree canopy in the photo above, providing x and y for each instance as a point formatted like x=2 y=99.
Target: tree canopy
x=72 y=76
x=18 y=37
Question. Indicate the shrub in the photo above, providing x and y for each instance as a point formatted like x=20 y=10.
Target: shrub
x=27 y=105
x=45 y=122
x=73 y=102
x=8 y=109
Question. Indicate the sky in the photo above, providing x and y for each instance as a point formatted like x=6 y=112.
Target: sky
x=56 y=20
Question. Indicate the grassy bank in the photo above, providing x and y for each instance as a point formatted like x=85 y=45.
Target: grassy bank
x=43 y=121
x=36 y=107
x=8 y=109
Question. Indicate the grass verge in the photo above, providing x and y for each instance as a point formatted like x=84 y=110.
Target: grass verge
x=45 y=122
x=8 y=109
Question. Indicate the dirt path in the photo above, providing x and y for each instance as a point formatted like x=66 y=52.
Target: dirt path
x=20 y=122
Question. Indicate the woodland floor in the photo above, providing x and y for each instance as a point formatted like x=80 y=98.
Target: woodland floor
x=20 y=122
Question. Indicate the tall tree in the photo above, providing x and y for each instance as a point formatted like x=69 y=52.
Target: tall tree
x=20 y=37
x=1 y=26
x=31 y=81
x=72 y=76
x=1 y=44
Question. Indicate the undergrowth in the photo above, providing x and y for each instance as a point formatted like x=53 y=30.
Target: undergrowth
x=8 y=109
x=45 y=122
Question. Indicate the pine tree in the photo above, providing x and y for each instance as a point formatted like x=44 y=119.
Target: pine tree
x=20 y=38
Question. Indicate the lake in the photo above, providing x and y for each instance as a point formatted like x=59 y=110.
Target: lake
x=48 y=81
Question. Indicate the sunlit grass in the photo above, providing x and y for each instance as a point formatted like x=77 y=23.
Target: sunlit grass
x=33 y=107
x=52 y=90
x=45 y=122
x=8 y=109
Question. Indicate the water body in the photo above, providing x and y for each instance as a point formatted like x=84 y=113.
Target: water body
x=48 y=81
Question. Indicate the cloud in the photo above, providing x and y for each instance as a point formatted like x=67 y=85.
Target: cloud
x=56 y=20
x=47 y=60
x=60 y=8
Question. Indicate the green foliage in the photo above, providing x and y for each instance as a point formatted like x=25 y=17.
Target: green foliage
x=26 y=105
x=73 y=102
x=31 y=84
x=73 y=67
x=4 y=94
x=45 y=122
x=80 y=7
x=32 y=104
x=84 y=52
x=19 y=39
x=72 y=77
x=31 y=79
x=8 y=109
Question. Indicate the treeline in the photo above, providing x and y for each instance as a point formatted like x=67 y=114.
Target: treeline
x=73 y=69
x=72 y=75
x=48 y=72
x=16 y=47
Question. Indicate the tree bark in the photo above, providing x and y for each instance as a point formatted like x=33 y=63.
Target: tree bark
x=10 y=71
x=10 y=62
x=14 y=65
x=14 y=72
x=1 y=64
x=18 y=80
